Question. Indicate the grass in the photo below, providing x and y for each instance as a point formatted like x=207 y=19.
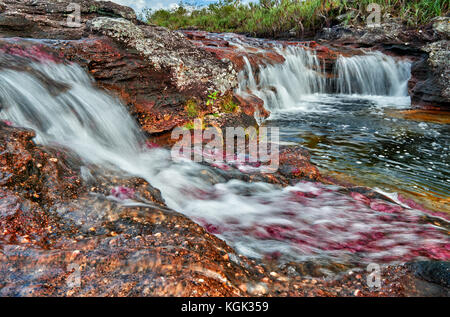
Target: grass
x=274 y=17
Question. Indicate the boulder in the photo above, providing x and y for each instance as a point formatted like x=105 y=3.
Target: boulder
x=154 y=70
x=49 y=19
x=437 y=272
x=295 y=164
x=429 y=84
x=191 y=69
x=41 y=176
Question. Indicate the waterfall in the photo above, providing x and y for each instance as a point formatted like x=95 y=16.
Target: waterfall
x=281 y=86
x=293 y=84
x=61 y=103
x=372 y=74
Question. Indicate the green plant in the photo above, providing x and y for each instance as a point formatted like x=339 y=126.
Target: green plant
x=271 y=17
x=192 y=109
x=229 y=106
x=189 y=126
x=212 y=97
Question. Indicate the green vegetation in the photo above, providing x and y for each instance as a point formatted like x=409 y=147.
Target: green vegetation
x=212 y=97
x=192 y=108
x=229 y=106
x=274 y=17
x=189 y=126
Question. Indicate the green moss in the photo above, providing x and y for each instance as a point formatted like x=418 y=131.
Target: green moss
x=229 y=106
x=189 y=126
x=192 y=108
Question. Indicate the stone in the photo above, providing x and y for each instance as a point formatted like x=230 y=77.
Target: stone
x=429 y=84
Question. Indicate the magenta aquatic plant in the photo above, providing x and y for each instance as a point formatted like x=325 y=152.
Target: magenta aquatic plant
x=123 y=193
x=151 y=145
x=302 y=221
x=30 y=50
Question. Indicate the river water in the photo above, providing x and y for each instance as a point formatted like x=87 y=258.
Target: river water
x=307 y=221
x=345 y=122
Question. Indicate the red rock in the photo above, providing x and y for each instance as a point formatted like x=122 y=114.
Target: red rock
x=250 y=105
x=295 y=163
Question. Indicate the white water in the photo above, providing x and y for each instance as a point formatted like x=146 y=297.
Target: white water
x=300 y=83
x=98 y=128
x=373 y=74
x=281 y=86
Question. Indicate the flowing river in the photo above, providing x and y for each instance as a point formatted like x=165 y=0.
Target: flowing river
x=344 y=131
x=345 y=122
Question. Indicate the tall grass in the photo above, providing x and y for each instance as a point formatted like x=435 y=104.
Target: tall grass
x=274 y=17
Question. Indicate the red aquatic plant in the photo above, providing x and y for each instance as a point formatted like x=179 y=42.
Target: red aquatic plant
x=123 y=193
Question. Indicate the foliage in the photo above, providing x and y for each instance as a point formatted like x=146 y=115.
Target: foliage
x=212 y=97
x=192 y=108
x=274 y=17
x=229 y=106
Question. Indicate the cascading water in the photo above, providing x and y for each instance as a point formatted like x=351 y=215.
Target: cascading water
x=281 y=86
x=298 y=83
x=350 y=119
x=372 y=74
x=258 y=219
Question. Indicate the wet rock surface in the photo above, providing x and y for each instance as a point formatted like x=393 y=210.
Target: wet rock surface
x=429 y=86
x=116 y=237
x=190 y=68
x=435 y=272
x=41 y=176
x=295 y=163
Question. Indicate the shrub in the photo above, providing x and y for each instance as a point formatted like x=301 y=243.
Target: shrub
x=272 y=17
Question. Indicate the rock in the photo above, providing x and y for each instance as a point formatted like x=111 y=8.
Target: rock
x=236 y=53
x=429 y=84
x=119 y=250
x=48 y=19
x=191 y=69
x=252 y=106
x=238 y=119
x=433 y=271
x=28 y=169
x=441 y=25
x=154 y=70
x=96 y=244
x=23 y=221
x=150 y=95
x=388 y=33
x=295 y=164
x=427 y=46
